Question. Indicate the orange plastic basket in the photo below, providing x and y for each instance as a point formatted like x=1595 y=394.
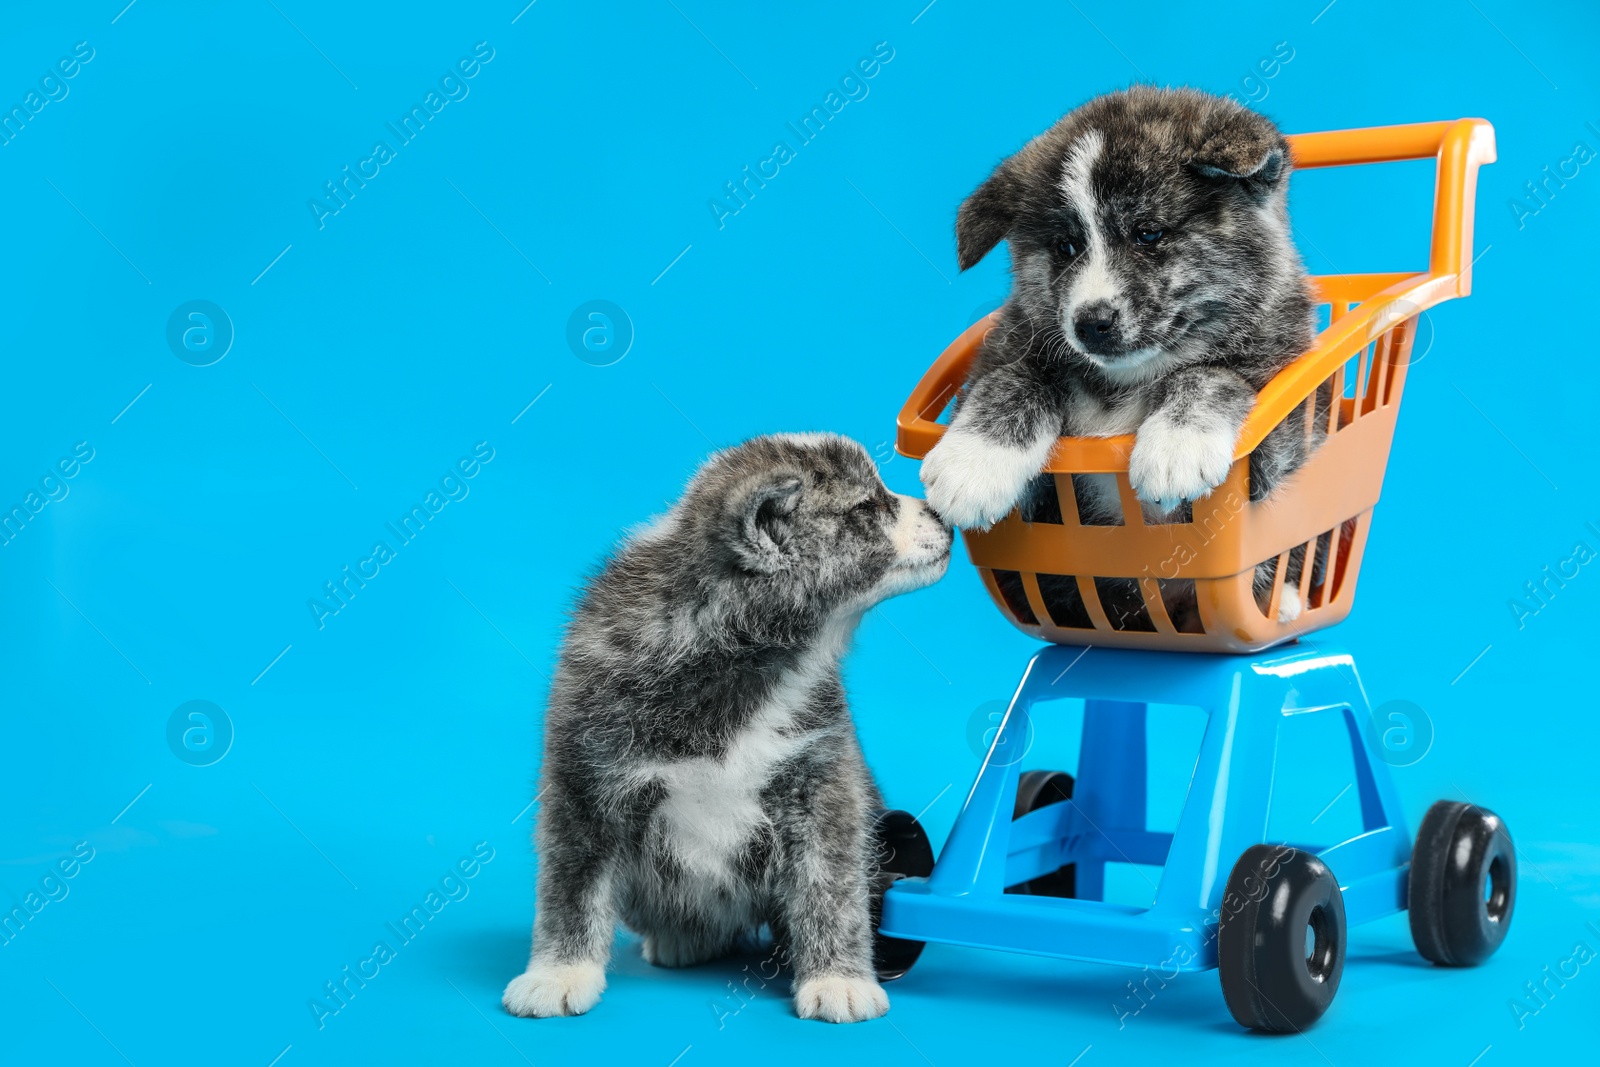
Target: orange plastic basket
x=1319 y=517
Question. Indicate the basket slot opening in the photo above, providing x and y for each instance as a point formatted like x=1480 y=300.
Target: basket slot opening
x=1336 y=416
x=1264 y=589
x=1123 y=604
x=1039 y=502
x=1016 y=597
x=1319 y=570
x=1297 y=559
x=1155 y=606
x=1341 y=562
x=1178 y=596
x=1399 y=348
x=1063 y=601
x=1279 y=581
x=1355 y=376
x=1397 y=355
x=1308 y=551
x=1295 y=575
x=1325 y=406
x=1400 y=357
x=1382 y=349
x=1099 y=503
x=1313 y=412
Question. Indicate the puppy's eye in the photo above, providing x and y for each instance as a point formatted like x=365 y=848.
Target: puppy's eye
x=1067 y=248
x=1148 y=233
x=867 y=507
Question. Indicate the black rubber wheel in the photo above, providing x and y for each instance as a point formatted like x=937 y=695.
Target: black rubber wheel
x=1281 y=939
x=1463 y=884
x=1035 y=790
x=903 y=852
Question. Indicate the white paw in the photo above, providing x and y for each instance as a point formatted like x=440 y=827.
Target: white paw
x=1289 y=604
x=836 y=998
x=672 y=949
x=547 y=989
x=1171 y=464
x=973 y=482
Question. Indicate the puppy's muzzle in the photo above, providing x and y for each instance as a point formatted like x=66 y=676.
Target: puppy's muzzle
x=921 y=538
x=1097 y=328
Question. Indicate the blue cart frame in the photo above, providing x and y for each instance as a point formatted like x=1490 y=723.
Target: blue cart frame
x=1246 y=699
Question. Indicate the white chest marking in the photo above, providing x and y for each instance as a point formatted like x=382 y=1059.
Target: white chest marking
x=712 y=806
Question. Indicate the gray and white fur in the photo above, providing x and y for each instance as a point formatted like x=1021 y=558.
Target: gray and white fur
x=702 y=776
x=1155 y=291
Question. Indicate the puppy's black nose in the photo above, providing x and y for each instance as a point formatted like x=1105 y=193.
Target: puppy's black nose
x=1097 y=327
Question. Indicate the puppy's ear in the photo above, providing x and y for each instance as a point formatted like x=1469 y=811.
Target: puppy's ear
x=761 y=521
x=1246 y=147
x=988 y=214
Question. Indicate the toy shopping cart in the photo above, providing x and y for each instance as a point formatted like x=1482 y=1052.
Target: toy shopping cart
x=1024 y=866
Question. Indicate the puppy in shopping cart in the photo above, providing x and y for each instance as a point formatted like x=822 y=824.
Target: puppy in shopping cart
x=1155 y=291
x=702 y=776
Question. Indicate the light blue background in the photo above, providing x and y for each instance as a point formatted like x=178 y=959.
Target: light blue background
x=429 y=312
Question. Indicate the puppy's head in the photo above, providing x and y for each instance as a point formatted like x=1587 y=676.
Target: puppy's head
x=1141 y=226
x=802 y=523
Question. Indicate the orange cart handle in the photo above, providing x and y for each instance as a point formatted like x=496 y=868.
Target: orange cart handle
x=1461 y=147
x=1386 y=300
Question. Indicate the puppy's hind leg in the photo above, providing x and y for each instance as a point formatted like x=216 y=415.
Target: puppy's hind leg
x=1323 y=560
x=574 y=921
x=1290 y=606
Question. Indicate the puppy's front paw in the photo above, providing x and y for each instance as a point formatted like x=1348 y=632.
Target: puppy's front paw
x=1173 y=463
x=973 y=482
x=838 y=998
x=547 y=989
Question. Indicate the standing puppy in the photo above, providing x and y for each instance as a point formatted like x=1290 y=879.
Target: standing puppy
x=1155 y=291
x=701 y=773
